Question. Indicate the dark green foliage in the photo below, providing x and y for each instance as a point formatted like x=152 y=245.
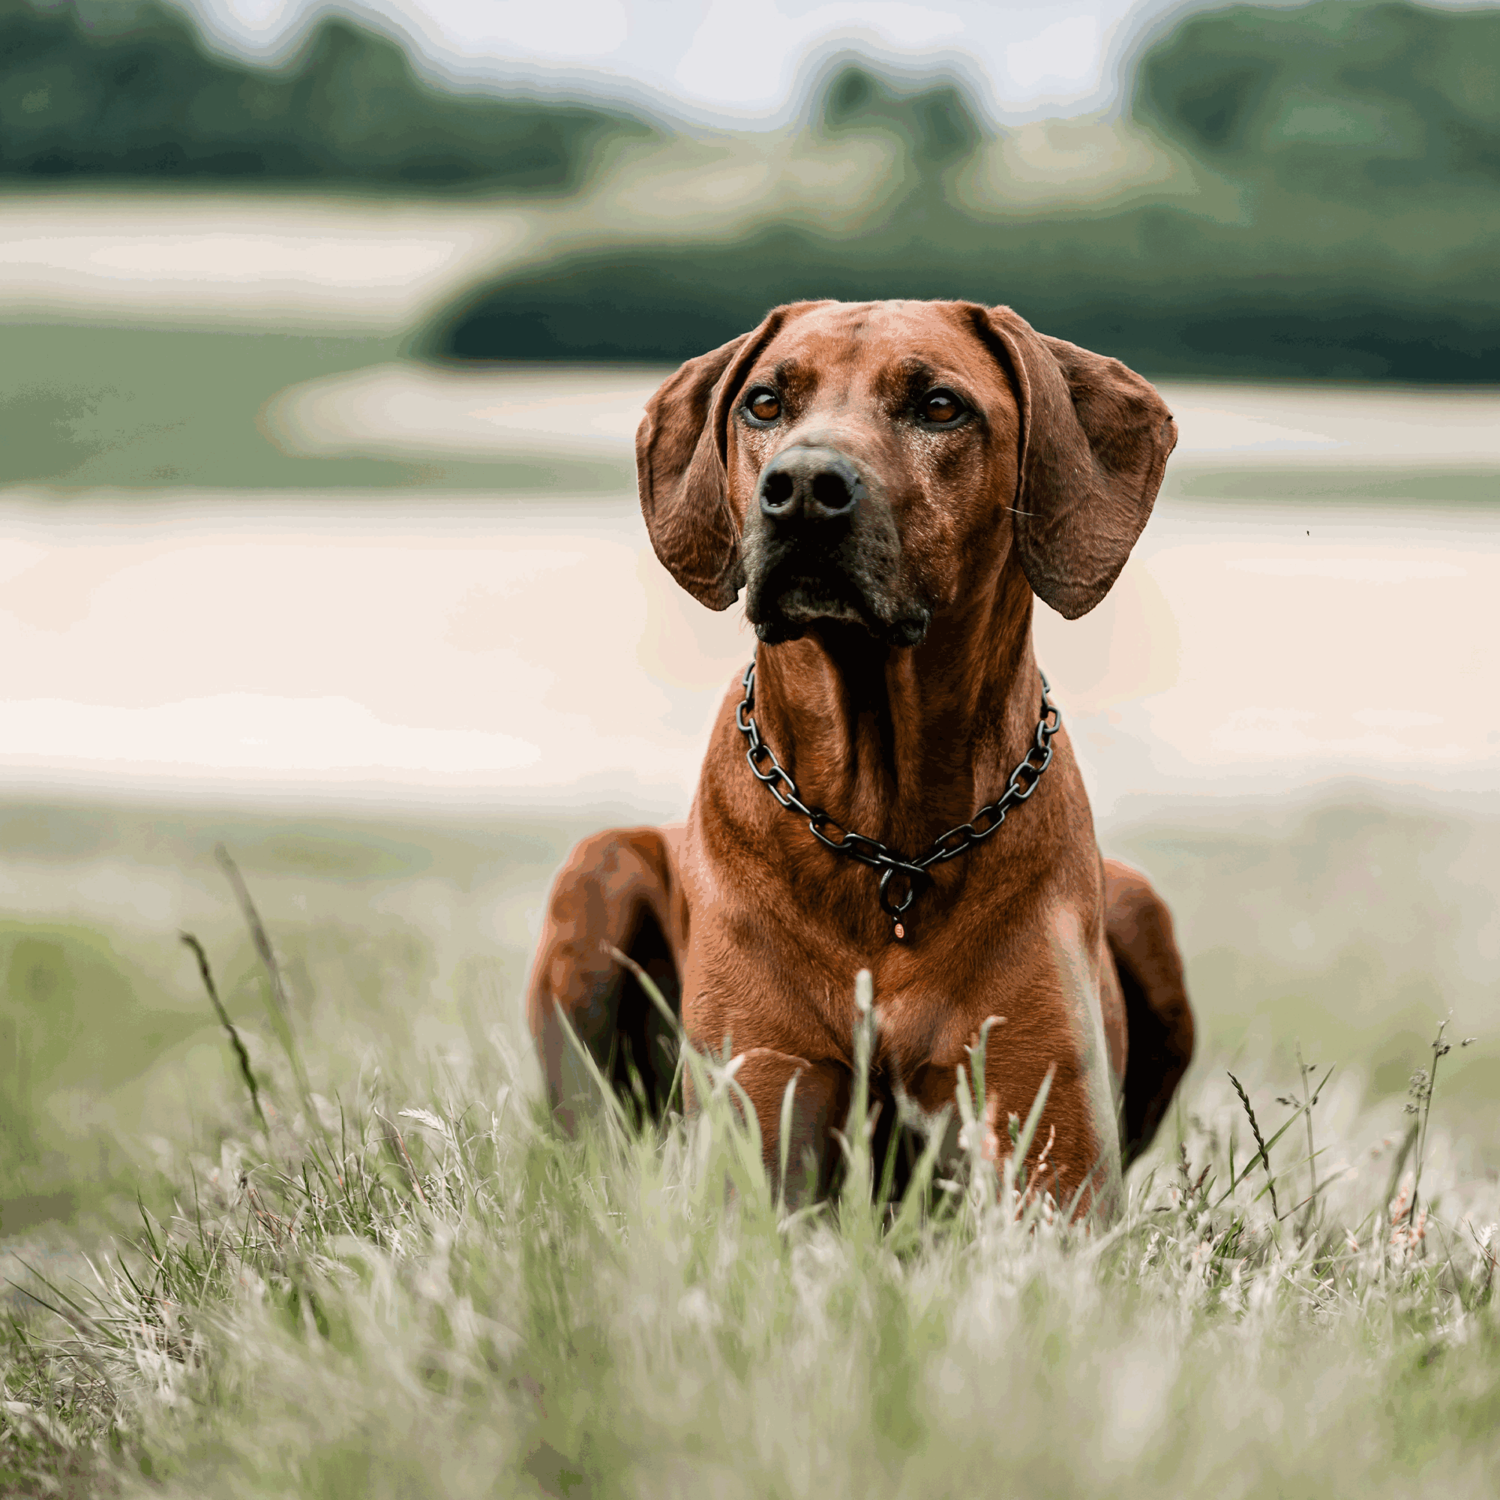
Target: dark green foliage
x=129 y=90
x=1360 y=142
x=1343 y=97
x=936 y=124
x=676 y=300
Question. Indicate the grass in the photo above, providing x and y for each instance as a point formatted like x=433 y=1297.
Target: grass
x=388 y=1275
x=157 y=412
x=392 y=930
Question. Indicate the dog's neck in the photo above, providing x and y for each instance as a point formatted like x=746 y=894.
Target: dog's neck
x=902 y=744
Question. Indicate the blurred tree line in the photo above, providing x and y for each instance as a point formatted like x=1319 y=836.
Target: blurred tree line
x=126 y=88
x=1341 y=101
x=1332 y=205
x=1344 y=159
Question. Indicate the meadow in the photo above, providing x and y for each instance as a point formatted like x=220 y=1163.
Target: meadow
x=384 y=1273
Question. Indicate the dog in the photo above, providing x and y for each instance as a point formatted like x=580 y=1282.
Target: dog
x=889 y=485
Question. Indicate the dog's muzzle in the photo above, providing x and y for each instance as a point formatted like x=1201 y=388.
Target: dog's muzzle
x=822 y=547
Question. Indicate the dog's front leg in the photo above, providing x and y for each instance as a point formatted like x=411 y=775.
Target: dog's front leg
x=818 y=1106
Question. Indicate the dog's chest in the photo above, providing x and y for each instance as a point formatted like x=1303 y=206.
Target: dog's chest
x=925 y=1024
x=931 y=1012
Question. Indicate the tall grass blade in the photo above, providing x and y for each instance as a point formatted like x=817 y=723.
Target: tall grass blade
x=614 y=1110
x=913 y=1208
x=784 y=1139
x=280 y=1009
x=649 y=985
x=1265 y=1152
x=1034 y=1115
x=1440 y=1049
x=858 y=1188
x=977 y=1062
x=246 y=1072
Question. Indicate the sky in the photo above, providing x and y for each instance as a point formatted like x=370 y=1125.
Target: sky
x=733 y=60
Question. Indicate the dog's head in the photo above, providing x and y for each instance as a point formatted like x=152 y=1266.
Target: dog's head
x=876 y=462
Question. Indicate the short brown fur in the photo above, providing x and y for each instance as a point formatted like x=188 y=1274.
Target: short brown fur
x=1041 y=488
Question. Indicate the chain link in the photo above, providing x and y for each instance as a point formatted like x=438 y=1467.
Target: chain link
x=909 y=875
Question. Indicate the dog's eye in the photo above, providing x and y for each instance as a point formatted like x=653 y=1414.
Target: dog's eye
x=763 y=405
x=942 y=408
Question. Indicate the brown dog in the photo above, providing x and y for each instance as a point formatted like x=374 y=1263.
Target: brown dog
x=888 y=483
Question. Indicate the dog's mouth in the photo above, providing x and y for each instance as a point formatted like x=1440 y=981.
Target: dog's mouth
x=790 y=593
x=821 y=548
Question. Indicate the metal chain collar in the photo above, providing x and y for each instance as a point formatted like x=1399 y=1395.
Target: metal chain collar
x=901 y=879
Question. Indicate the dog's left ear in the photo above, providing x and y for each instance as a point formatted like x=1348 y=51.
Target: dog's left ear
x=680 y=449
x=1094 y=441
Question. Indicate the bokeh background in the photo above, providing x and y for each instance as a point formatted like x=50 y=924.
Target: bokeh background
x=325 y=332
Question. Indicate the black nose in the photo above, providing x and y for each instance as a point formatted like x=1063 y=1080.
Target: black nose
x=809 y=485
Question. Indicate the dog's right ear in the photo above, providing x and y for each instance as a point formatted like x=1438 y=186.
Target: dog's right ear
x=680 y=450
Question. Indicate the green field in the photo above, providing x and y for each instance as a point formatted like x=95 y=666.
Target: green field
x=154 y=411
x=350 y=1300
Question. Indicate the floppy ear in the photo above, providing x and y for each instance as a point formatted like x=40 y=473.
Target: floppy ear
x=680 y=449
x=1094 y=441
